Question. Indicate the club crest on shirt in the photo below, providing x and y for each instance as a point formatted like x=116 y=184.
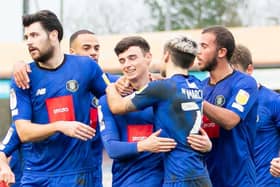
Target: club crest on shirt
x=220 y=100
x=242 y=97
x=72 y=85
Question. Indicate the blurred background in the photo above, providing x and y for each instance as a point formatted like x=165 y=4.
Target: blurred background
x=254 y=23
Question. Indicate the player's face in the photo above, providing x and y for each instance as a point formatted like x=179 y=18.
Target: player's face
x=163 y=65
x=38 y=42
x=207 y=55
x=134 y=63
x=86 y=45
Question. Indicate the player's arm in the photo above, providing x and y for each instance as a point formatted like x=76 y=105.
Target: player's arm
x=110 y=134
x=221 y=116
x=20 y=74
x=200 y=142
x=29 y=132
x=275 y=167
x=6 y=174
x=117 y=103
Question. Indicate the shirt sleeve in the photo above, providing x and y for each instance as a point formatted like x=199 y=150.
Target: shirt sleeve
x=11 y=142
x=98 y=84
x=276 y=111
x=244 y=96
x=149 y=95
x=20 y=103
x=110 y=134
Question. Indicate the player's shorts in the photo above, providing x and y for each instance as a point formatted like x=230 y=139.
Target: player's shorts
x=197 y=182
x=83 y=179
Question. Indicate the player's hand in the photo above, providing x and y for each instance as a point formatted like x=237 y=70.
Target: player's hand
x=200 y=142
x=6 y=174
x=20 y=74
x=123 y=86
x=275 y=167
x=76 y=129
x=156 y=144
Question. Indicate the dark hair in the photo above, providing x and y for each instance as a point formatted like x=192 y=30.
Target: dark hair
x=77 y=33
x=224 y=38
x=127 y=42
x=241 y=56
x=47 y=19
x=182 y=50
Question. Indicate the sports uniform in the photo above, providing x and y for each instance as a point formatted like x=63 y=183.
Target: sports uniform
x=10 y=146
x=267 y=142
x=231 y=161
x=120 y=134
x=177 y=110
x=61 y=94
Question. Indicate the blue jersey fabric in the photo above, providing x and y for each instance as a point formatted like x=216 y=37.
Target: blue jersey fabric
x=10 y=146
x=267 y=141
x=120 y=134
x=177 y=110
x=231 y=161
x=60 y=94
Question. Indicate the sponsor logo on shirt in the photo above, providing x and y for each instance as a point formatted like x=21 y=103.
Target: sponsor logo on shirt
x=41 y=91
x=72 y=85
x=60 y=108
x=136 y=132
x=212 y=129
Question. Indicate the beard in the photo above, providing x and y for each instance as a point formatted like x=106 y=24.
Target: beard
x=45 y=56
x=211 y=65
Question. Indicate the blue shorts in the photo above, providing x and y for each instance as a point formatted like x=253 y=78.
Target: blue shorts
x=197 y=182
x=83 y=179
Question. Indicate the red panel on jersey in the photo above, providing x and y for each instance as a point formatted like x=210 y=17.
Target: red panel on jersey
x=93 y=117
x=61 y=108
x=136 y=133
x=212 y=129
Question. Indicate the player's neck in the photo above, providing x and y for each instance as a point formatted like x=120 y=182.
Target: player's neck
x=221 y=71
x=140 y=82
x=54 y=62
x=173 y=70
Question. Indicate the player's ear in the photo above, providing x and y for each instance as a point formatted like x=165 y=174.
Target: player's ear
x=250 y=69
x=166 y=56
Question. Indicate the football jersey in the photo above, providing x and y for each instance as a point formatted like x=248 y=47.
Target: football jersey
x=267 y=143
x=10 y=146
x=61 y=94
x=231 y=162
x=120 y=134
x=177 y=110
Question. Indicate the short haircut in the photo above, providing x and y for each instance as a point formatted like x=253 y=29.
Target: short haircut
x=130 y=41
x=183 y=51
x=47 y=19
x=224 y=39
x=77 y=33
x=241 y=56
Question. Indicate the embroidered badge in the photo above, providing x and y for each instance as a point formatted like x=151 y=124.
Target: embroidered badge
x=242 y=97
x=72 y=85
x=220 y=100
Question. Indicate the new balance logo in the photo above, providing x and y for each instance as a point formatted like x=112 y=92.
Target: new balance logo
x=41 y=91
